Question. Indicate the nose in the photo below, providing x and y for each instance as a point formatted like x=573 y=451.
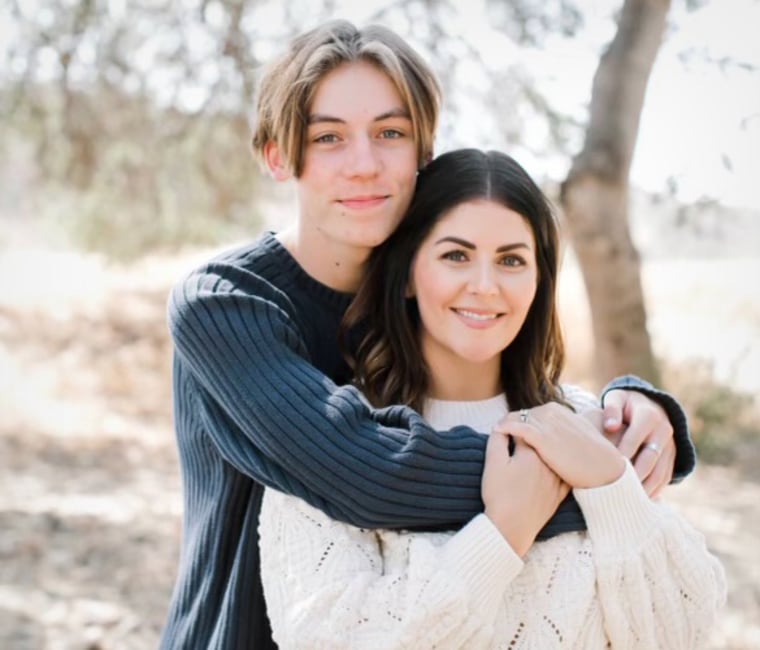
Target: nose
x=362 y=159
x=482 y=281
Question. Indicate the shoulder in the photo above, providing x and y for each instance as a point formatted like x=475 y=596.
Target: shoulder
x=581 y=398
x=259 y=261
x=255 y=269
x=248 y=284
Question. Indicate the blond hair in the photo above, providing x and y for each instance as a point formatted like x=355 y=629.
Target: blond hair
x=290 y=82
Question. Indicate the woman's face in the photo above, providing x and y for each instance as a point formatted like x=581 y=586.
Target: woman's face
x=474 y=278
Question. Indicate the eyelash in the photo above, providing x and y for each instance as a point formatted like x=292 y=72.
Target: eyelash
x=454 y=256
x=332 y=138
x=458 y=255
x=396 y=133
x=518 y=261
x=327 y=138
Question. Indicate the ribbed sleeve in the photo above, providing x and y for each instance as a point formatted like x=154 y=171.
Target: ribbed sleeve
x=658 y=586
x=276 y=418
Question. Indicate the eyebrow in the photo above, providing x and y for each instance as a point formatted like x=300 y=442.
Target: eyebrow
x=394 y=112
x=465 y=244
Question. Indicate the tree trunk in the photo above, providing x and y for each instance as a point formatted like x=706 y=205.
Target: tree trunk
x=594 y=196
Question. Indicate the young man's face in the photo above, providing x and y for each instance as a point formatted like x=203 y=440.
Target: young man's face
x=360 y=160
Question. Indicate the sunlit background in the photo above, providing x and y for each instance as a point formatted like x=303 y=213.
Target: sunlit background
x=124 y=161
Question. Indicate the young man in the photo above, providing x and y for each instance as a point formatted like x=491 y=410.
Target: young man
x=261 y=391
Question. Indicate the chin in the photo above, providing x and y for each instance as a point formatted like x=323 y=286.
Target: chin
x=479 y=357
x=371 y=239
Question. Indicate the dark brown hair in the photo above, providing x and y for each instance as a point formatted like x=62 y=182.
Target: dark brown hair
x=387 y=362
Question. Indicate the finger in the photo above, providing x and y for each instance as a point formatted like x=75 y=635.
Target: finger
x=653 y=485
x=615 y=437
x=662 y=473
x=523 y=433
x=656 y=481
x=653 y=482
x=521 y=447
x=508 y=419
x=640 y=425
x=631 y=442
x=647 y=458
x=614 y=403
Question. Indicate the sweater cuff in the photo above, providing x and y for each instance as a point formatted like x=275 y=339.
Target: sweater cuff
x=619 y=516
x=686 y=455
x=482 y=560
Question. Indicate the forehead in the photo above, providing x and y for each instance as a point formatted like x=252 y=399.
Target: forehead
x=482 y=219
x=355 y=90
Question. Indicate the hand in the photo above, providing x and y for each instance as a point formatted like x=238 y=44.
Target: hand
x=568 y=443
x=596 y=417
x=520 y=492
x=647 y=439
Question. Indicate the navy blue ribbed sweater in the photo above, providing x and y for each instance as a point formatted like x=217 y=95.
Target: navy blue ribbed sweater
x=261 y=398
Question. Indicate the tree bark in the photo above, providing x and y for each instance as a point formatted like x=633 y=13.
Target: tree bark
x=595 y=195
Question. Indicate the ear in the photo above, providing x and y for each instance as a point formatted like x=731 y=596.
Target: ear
x=276 y=162
x=426 y=161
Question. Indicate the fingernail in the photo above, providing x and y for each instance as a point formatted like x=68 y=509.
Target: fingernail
x=610 y=422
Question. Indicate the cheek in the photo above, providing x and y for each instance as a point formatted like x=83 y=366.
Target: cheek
x=429 y=288
x=406 y=175
x=524 y=293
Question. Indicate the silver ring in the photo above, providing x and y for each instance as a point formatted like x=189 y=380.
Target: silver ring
x=654 y=447
x=523 y=415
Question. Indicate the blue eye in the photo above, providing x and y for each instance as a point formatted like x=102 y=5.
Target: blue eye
x=328 y=138
x=391 y=134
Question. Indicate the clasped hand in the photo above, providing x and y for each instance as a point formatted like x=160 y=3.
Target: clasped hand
x=558 y=449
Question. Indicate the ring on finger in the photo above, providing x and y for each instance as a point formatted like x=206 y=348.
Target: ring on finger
x=654 y=447
x=523 y=415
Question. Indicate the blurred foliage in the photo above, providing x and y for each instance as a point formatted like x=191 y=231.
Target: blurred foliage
x=133 y=117
x=150 y=179
x=127 y=123
x=120 y=155
x=133 y=177
x=724 y=422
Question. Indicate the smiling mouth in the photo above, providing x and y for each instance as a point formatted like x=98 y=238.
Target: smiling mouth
x=363 y=201
x=481 y=316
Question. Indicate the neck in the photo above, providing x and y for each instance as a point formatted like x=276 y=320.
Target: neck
x=340 y=267
x=457 y=380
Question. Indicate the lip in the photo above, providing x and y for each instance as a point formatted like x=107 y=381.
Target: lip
x=363 y=202
x=478 y=318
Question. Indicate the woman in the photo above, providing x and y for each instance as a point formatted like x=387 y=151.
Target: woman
x=459 y=320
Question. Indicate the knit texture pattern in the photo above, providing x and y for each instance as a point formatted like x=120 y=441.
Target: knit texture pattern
x=640 y=578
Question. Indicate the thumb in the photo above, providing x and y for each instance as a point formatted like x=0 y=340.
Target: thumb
x=613 y=410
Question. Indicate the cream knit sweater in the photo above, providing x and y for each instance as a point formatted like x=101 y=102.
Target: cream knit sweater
x=640 y=577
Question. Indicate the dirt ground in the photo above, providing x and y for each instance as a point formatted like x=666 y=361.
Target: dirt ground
x=90 y=501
